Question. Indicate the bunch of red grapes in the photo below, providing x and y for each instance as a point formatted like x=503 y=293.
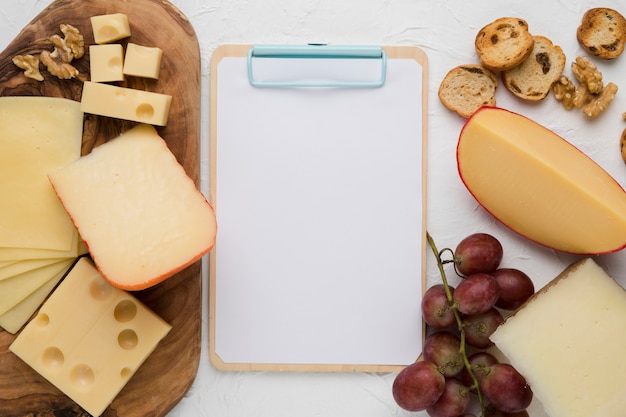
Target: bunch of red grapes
x=455 y=368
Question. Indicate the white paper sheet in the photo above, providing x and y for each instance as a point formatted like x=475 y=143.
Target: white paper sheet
x=319 y=205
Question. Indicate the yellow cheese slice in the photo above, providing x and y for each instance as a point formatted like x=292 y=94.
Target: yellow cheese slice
x=568 y=341
x=540 y=185
x=20 y=267
x=13 y=320
x=37 y=135
x=15 y=289
x=19 y=254
x=89 y=338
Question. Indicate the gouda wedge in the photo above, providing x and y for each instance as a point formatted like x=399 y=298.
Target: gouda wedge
x=540 y=185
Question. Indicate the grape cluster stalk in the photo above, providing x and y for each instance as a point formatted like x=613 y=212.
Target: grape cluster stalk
x=454 y=361
x=459 y=321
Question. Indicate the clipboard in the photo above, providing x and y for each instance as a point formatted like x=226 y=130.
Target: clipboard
x=318 y=179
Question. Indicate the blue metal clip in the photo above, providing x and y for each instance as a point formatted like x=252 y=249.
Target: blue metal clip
x=318 y=51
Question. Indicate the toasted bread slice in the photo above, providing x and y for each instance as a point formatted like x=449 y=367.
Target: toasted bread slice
x=503 y=43
x=602 y=33
x=533 y=78
x=467 y=87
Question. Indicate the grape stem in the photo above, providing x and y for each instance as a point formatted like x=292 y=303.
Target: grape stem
x=457 y=316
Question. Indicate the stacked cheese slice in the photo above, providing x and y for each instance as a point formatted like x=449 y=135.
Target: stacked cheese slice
x=38 y=241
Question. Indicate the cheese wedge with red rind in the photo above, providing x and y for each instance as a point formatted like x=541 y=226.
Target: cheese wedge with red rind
x=141 y=217
x=540 y=185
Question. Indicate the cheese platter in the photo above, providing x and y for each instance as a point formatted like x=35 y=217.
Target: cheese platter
x=166 y=375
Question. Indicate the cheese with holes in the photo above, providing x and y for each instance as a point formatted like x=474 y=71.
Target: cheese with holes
x=140 y=215
x=142 y=61
x=568 y=341
x=125 y=103
x=539 y=185
x=89 y=338
x=106 y=62
x=110 y=27
x=37 y=135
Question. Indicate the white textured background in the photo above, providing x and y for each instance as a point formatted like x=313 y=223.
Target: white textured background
x=445 y=30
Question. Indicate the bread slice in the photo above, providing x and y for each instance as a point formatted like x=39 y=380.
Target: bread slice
x=467 y=87
x=602 y=33
x=533 y=78
x=503 y=43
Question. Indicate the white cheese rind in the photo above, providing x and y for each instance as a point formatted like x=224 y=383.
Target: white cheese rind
x=89 y=338
x=141 y=216
x=568 y=341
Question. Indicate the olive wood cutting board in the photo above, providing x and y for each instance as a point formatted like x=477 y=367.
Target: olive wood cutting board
x=167 y=374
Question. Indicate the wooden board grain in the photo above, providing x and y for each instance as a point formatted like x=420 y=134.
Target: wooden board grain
x=168 y=373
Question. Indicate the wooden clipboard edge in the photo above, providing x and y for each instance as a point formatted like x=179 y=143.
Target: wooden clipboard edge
x=241 y=50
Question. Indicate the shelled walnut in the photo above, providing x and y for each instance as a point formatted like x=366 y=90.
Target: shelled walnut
x=30 y=65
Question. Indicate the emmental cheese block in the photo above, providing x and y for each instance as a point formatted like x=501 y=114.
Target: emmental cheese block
x=568 y=341
x=140 y=215
x=540 y=185
x=89 y=338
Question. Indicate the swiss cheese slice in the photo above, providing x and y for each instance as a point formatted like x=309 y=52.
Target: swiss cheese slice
x=89 y=338
x=20 y=267
x=540 y=185
x=37 y=135
x=568 y=341
x=140 y=215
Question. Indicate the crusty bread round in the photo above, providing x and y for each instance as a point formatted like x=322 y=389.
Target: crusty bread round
x=533 y=78
x=467 y=87
x=602 y=32
x=503 y=43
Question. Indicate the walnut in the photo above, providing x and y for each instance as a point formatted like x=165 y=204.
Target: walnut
x=600 y=102
x=74 y=40
x=564 y=91
x=71 y=46
x=30 y=65
x=587 y=73
x=581 y=96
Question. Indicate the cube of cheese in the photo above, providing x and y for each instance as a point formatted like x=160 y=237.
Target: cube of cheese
x=568 y=343
x=89 y=338
x=110 y=27
x=106 y=62
x=125 y=103
x=140 y=215
x=142 y=61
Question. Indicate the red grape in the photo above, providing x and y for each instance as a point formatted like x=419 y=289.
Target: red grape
x=479 y=252
x=481 y=363
x=453 y=402
x=476 y=293
x=436 y=309
x=491 y=411
x=479 y=327
x=418 y=386
x=506 y=388
x=444 y=350
x=515 y=287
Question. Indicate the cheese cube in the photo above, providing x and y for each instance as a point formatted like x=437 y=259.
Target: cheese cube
x=568 y=341
x=142 y=61
x=89 y=338
x=140 y=215
x=106 y=62
x=125 y=103
x=110 y=27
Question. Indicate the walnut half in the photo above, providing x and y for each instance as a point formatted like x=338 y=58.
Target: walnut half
x=30 y=65
x=71 y=46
